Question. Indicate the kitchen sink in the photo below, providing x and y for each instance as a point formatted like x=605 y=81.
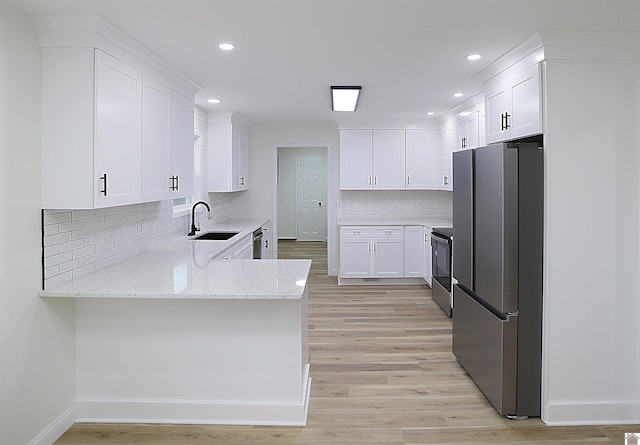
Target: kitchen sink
x=218 y=236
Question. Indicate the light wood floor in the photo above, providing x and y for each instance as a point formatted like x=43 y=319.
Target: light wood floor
x=383 y=373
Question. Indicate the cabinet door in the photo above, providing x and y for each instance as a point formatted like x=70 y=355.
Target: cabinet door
x=497 y=102
x=426 y=263
x=446 y=145
x=266 y=241
x=156 y=141
x=413 y=251
x=355 y=257
x=420 y=148
x=118 y=94
x=388 y=258
x=388 y=159
x=241 y=156
x=182 y=147
x=473 y=130
x=355 y=159
x=525 y=104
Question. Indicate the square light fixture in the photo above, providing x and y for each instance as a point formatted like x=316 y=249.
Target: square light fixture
x=344 y=98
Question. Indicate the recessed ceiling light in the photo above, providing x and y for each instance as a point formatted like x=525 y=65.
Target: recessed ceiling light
x=431 y=113
x=474 y=57
x=457 y=95
x=226 y=46
x=214 y=101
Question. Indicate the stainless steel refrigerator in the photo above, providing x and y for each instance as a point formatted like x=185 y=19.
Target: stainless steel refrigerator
x=497 y=262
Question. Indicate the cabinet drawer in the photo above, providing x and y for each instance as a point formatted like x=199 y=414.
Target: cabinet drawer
x=389 y=231
x=356 y=231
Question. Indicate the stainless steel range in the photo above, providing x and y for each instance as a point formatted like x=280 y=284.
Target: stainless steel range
x=441 y=248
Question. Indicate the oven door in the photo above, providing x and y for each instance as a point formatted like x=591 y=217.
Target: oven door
x=441 y=271
x=441 y=260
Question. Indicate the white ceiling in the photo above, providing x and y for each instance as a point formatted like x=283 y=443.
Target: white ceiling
x=408 y=55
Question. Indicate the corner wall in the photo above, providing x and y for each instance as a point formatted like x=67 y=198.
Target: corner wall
x=591 y=369
x=36 y=336
x=258 y=200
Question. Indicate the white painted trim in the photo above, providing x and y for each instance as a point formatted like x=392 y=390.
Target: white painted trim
x=584 y=413
x=381 y=281
x=196 y=412
x=95 y=31
x=532 y=45
x=56 y=428
x=426 y=124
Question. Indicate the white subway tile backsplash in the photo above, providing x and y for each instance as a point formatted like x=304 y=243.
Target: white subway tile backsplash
x=54 y=260
x=430 y=205
x=71 y=245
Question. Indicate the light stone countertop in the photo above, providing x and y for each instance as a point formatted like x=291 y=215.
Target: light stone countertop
x=394 y=222
x=182 y=268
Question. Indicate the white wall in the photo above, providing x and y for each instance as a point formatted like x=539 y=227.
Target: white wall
x=36 y=336
x=287 y=188
x=258 y=200
x=592 y=243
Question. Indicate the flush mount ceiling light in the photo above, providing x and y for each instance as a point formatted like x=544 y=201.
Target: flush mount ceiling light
x=226 y=46
x=214 y=101
x=344 y=98
x=474 y=57
x=431 y=113
x=457 y=95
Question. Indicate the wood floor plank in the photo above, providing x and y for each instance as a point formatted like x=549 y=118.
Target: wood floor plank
x=383 y=374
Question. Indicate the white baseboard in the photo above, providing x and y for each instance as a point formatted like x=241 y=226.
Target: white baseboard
x=196 y=412
x=56 y=428
x=614 y=413
x=381 y=281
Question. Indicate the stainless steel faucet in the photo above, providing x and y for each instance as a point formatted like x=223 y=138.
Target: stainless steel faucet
x=194 y=229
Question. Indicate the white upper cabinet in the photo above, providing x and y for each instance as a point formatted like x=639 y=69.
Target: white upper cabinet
x=91 y=118
x=372 y=159
x=513 y=103
x=156 y=140
x=443 y=180
x=228 y=153
x=182 y=138
x=118 y=89
x=388 y=159
x=106 y=127
x=355 y=159
x=421 y=155
x=167 y=143
x=467 y=135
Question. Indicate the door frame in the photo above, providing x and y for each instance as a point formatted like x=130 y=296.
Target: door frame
x=326 y=146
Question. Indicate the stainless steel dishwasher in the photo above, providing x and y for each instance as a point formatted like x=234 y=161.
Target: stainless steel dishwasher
x=257 y=244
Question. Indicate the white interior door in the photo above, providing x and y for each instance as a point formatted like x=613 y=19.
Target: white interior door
x=309 y=196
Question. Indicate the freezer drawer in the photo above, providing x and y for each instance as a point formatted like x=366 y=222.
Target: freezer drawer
x=486 y=347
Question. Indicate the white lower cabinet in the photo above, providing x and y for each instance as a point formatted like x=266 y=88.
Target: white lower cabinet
x=413 y=251
x=242 y=250
x=426 y=263
x=371 y=252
